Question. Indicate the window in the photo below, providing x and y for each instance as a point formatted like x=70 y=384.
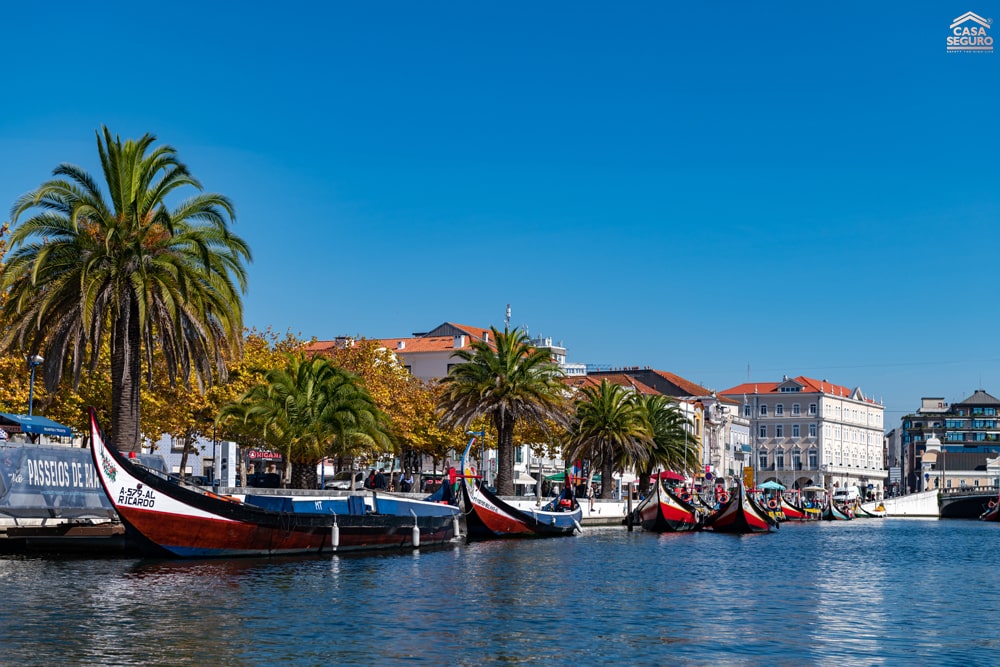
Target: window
x=812 y=408
x=746 y=410
x=763 y=430
x=813 y=459
x=812 y=430
x=796 y=459
x=779 y=410
x=779 y=459
x=779 y=431
x=795 y=409
x=795 y=431
x=518 y=455
x=763 y=410
x=762 y=460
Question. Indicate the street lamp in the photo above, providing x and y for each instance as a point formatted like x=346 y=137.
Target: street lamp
x=34 y=361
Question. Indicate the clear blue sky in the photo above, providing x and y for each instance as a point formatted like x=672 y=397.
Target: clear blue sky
x=801 y=188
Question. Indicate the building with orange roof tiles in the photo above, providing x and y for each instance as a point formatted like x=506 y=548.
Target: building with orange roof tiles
x=808 y=432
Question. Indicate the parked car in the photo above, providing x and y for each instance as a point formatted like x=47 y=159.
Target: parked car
x=342 y=481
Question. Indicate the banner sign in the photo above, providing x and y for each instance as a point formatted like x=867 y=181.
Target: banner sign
x=42 y=481
x=263 y=455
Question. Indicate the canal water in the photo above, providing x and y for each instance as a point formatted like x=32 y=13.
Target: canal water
x=867 y=592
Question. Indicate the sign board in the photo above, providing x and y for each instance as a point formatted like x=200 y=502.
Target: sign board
x=748 y=477
x=895 y=473
x=263 y=455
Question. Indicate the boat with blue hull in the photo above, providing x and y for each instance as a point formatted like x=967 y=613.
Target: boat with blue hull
x=168 y=519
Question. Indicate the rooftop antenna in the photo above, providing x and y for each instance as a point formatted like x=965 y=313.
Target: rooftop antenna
x=506 y=320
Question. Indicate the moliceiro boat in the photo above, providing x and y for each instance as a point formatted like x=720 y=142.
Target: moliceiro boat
x=664 y=512
x=168 y=519
x=741 y=514
x=487 y=516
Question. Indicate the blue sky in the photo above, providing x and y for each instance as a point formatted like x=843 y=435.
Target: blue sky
x=793 y=188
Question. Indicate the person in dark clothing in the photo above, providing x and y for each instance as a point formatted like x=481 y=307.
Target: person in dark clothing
x=380 y=482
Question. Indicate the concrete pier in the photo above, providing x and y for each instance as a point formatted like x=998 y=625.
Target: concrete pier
x=923 y=504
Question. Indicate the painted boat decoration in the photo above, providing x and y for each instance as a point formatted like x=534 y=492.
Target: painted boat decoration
x=664 y=512
x=489 y=517
x=741 y=515
x=794 y=512
x=167 y=519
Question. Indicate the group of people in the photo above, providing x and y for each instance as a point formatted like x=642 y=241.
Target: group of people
x=379 y=481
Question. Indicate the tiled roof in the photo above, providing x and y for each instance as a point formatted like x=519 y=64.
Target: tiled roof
x=661 y=382
x=809 y=386
x=622 y=379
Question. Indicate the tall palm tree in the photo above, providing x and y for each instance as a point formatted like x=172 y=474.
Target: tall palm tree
x=505 y=381
x=672 y=448
x=90 y=268
x=610 y=428
x=308 y=410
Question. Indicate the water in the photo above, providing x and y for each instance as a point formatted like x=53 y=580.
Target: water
x=867 y=592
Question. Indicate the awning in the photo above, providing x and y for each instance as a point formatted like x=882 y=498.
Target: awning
x=35 y=424
x=525 y=479
x=772 y=486
x=670 y=475
x=561 y=477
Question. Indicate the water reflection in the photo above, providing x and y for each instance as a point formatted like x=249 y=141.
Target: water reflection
x=863 y=592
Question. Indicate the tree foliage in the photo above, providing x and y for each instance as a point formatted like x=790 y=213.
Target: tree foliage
x=507 y=381
x=119 y=267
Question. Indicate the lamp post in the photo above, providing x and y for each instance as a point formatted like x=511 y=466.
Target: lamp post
x=34 y=361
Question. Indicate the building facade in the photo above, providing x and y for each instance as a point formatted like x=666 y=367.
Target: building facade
x=971 y=426
x=807 y=432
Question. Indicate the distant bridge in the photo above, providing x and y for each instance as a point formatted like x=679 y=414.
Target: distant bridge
x=967 y=503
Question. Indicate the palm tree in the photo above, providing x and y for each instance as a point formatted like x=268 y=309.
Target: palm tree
x=124 y=270
x=672 y=447
x=308 y=410
x=610 y=428
x=505 y=381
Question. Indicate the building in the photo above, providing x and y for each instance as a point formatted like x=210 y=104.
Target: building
x=719 y=430
x=807 y=432
x=969 y=427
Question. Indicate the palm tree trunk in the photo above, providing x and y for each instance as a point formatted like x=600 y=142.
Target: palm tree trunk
x=125 y=369
x=607 y=473
x=505 y=456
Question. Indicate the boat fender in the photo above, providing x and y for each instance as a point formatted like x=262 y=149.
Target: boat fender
x=335 y=535
x=993 y=504
x=456 y=527
x=723 y=497
x=772 y=503
x=416 y=531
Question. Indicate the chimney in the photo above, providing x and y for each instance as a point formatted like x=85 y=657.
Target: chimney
x=459 y=342
x=486 y=336
x=401 y=345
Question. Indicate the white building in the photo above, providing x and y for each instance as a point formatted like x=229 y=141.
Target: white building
x=806 y=432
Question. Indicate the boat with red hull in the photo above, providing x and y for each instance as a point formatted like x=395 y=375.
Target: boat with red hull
x=488 y=517
x=741 y=514
x=664 y=512
x=793 y=512
x=167 y=519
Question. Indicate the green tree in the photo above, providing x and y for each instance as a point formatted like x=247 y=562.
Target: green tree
x=507 y=381
x=308 y=410
x=673 y=447
x=86 y=267
x=610 y=428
